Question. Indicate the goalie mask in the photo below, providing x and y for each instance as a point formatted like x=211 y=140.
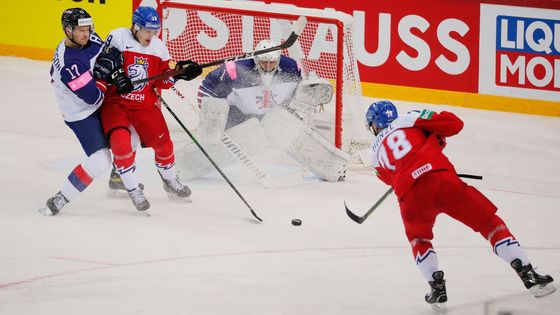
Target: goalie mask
x=379 y=115
x=267 y=63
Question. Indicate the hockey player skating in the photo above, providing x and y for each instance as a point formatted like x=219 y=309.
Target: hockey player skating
x=407 y=155
x=269 y=88
x=136 y=53
x=79 y=97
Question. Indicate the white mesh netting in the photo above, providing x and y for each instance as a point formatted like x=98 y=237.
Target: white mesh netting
x=206 y=31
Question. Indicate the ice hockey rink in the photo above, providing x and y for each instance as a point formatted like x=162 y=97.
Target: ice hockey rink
x=100 y=256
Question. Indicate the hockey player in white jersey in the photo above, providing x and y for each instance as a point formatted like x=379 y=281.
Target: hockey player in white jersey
x=79 y=97
x=267 y=87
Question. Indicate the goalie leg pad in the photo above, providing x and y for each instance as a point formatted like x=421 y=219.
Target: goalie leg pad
x=244 y=139
x=212 y=119
x=305 y=145
x=249 y=135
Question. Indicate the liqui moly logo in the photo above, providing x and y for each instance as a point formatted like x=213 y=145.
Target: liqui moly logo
x=528 y=52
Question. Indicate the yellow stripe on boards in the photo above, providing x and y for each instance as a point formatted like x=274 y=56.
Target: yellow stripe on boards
x=27 y=52
x=470 y=100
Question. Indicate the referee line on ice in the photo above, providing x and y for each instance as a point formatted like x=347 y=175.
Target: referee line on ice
x=163 y=260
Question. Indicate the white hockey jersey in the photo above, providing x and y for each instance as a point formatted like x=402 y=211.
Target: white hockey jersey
x=140 y=62
x=77 y=93
x=241 y=85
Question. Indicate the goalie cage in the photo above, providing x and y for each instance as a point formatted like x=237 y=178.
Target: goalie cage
x=209 y=30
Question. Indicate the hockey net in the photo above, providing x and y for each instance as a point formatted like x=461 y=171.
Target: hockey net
x=209 y=30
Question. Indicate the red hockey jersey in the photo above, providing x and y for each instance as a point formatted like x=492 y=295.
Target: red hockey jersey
x=139 y=62
x=409 y=147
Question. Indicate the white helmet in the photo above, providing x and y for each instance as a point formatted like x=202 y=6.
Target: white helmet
x=273 y=56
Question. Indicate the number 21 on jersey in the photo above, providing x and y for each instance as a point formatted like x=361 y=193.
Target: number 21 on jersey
x=399 y=146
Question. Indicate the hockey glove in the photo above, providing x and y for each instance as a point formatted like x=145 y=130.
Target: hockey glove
x=121 y=81
x=191 y=70
x=108 y=61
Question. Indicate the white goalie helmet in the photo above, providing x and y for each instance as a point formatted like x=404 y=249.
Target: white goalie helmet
x=267 y=63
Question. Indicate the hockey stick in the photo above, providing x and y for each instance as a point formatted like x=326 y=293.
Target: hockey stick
x=206 y=155
x=230 y=145
x=297 y=28
x=361 y=219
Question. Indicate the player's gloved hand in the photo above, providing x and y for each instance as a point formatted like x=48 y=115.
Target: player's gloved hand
x=108 y=61
x=191 y=70
x=121 y=81
x=442 y=141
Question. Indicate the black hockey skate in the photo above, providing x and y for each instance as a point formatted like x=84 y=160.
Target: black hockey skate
x=175 y=189
x=438 y=295
x=138 y=199
x=116 y=186
x=54 y=204
x=539 y=285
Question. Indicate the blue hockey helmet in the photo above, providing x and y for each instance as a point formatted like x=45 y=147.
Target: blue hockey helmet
x=146 y=17
x=381 y=114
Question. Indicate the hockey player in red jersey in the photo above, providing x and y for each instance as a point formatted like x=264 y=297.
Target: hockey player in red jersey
x=131 y=54
x=407 y=155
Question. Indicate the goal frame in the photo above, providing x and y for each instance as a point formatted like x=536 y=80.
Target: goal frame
x=313 y=15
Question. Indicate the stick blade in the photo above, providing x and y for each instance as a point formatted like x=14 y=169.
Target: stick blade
x=352 y=216
x=299 y=25
x=255 y=215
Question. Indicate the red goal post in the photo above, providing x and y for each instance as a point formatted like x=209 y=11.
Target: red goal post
x=209 y=30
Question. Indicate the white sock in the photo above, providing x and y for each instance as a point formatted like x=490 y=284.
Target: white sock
x=509 y=249
x=128 y=177
x=427 y=263
x=83 y=174
x=167 y=171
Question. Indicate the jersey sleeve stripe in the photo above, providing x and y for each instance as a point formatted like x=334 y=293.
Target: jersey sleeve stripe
x=231 y=69
x=101 y=85
x=81 y=81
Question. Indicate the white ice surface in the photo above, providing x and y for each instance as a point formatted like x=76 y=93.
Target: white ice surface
x=211 y=257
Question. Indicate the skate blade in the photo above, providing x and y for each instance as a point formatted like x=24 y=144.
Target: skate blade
x=177 y=198
x=439 y=307
x=117 y=193
x=46 y=211
x=542 y=291
x=144 y=213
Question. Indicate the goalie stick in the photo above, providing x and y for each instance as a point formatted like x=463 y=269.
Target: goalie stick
x=206 y=155
x=297 y=28
x=361 y=219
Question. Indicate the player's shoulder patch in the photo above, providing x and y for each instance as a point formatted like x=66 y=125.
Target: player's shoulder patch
x=426 y=114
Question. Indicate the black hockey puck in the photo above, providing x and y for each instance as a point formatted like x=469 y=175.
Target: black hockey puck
x=296 y=222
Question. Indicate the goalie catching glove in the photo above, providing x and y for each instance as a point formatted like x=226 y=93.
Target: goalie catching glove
x=191 y=70
x=310 y=93
x=108 y=67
